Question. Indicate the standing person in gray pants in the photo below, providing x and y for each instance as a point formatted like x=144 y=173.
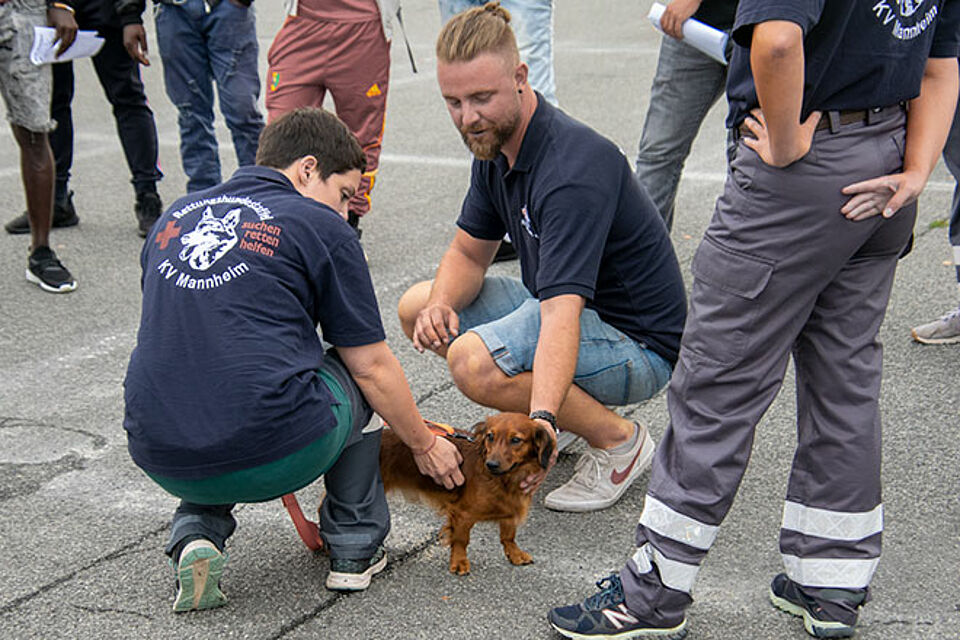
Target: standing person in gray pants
x=818 y=205
x=946 y=329
x=687 y=84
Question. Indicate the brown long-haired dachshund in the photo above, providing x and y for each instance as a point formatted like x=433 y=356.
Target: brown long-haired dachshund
x=504 y=450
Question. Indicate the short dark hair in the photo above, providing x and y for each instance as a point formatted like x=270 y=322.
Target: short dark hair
x=309 y=131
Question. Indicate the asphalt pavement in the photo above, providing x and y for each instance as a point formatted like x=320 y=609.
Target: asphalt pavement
x=82 y=529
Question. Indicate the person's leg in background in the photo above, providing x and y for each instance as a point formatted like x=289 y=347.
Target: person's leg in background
x=686 y=85
x=359 y=77
x=230 y=33
x=61 y=143
x=292 y=83
x=26 y=90
x=946 y=330
x=119 y=75
x=532 y=22
x=188 y=81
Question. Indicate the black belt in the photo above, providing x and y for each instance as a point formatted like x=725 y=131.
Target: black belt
x=834 y=119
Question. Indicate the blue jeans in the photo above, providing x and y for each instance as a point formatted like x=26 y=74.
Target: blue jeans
x=532 y=23
x=197 y=49
x=686 y=85
x=611 y=366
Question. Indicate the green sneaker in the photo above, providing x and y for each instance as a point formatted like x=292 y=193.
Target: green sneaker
x=198 y=577
x=355 y=575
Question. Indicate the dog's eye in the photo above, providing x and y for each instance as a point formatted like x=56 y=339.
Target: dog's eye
x=489 y=437
x=516 y=440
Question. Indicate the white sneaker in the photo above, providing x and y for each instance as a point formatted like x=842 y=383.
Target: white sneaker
x=946 y=330
x=600 y=478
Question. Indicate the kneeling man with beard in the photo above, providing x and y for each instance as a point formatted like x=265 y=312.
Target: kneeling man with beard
x=597 y=317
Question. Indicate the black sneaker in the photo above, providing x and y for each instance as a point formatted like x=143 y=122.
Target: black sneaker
x=354 y=575
x=64 y=215
x=505 y=252
x=148 y=209
x=832 y=615
x=46 y=271
x=605 y=615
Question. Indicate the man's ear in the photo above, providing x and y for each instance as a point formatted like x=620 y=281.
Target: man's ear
x=520 y=75
x=307 y=167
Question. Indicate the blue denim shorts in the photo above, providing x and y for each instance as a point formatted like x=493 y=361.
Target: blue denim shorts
x=612 y=367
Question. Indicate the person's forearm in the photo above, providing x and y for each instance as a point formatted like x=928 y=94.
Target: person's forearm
x=378 y=374
x=777 y=62
x=460 y=274
x=557 y=350
x=930 y=116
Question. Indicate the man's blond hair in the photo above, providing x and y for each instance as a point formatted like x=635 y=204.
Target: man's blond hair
x=478 y=30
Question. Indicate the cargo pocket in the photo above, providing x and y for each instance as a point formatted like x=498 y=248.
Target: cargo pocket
x=724 y=301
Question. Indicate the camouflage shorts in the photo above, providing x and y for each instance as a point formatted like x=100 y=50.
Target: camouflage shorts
x=25 y=87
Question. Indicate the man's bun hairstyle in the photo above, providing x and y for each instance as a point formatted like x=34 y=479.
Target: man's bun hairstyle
x=478 y=30
x=309 y=131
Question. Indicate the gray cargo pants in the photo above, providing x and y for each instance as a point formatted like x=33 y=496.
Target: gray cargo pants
x=780 y=270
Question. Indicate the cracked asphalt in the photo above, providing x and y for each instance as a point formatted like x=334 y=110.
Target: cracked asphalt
x=82 y=529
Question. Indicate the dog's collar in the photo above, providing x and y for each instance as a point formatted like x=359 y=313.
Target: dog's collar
x=447 y=431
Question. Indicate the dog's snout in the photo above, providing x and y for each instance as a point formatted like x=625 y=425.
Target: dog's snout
x=493 y=465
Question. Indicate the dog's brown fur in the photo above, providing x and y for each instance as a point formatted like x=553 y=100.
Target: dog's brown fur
x=510 y=443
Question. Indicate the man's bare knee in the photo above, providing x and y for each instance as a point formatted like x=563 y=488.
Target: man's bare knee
x=473 y=369
x=410 y=305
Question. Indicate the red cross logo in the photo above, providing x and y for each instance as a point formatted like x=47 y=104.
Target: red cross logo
x=170 y=231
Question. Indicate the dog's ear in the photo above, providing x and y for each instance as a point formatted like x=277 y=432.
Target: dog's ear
x=543 y=439
x=479 y=431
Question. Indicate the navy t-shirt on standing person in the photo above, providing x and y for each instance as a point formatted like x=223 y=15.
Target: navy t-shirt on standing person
x=236 y=280
x=858 y=54
x=582 y=225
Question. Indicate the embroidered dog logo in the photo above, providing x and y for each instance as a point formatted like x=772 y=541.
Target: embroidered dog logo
x=909 y=7
x=210 y=240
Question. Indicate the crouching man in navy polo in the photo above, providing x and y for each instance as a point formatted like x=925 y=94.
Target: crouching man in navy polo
x=838 y=111
x=229 y=394
x=597 y=317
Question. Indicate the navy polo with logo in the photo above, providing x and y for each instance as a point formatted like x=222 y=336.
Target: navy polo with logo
x=858 y=55
x=583 y=225
x=236 y=280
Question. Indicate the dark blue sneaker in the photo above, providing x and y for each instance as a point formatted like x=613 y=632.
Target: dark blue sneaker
x=605 y=615
x=833 y=615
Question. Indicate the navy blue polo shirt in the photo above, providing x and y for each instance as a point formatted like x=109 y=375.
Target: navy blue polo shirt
x=858 y=54
x=583 y=225
x=235 y=281
x=717 y=13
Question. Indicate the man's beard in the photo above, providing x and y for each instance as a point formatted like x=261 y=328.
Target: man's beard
x=488 y=149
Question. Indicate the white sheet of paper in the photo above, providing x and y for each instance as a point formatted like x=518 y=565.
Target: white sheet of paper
x=698 y=35
x=45 y=45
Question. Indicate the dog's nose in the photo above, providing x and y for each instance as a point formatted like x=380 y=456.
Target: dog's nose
x=493 y=465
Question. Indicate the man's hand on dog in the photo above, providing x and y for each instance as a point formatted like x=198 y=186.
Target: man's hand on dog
x=442 y=463
x=533 y=481
x=437 y=325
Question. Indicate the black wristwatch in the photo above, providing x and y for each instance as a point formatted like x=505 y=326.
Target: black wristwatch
x=546 y=416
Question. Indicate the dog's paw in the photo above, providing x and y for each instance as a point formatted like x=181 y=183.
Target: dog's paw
x=519 y=557
x=460 y=567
